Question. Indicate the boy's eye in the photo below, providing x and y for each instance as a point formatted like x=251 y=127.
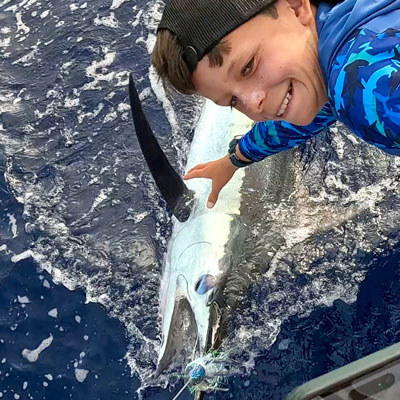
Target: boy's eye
x=248 y=67
x=234 y=101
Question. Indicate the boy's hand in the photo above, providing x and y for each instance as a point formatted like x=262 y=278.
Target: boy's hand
x=219 y=171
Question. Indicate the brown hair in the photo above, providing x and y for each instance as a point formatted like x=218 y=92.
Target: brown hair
x=172 y=69
x=168 y=62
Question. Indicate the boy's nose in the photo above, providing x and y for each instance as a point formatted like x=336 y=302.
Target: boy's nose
x=254 y=100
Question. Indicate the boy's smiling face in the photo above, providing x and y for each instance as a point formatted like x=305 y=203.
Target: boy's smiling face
x=272 y=71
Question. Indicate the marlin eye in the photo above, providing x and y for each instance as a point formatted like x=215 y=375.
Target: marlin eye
x=204 y=284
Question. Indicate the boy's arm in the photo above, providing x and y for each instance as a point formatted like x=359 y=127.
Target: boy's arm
x=262 y=140
x=365 y=88
x=270 y=137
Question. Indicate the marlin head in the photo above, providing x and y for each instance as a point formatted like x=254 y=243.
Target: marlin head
x=194 y=276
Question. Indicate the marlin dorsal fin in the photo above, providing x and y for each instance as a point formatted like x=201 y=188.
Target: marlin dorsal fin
x=178 y=197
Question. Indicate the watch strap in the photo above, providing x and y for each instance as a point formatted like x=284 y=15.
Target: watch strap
x=235 y=160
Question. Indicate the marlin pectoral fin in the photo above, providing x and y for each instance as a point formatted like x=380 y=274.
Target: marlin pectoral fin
x=178 y=197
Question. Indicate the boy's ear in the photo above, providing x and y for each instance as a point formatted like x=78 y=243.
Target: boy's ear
x=302 y=9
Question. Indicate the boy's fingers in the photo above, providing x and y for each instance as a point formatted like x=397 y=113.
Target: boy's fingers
x=198 y=166
x=213 y=197
x=195 y=174
x=199 y=171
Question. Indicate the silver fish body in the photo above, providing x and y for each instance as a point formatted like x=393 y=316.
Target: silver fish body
x=200 y=249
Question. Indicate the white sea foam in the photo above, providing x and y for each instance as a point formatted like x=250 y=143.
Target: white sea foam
x=102 y=196
x=81 y=374
x=139 y=217
x=110 y=117
x=44 y=14
x=92 y=70
x=21 y=256
x=33 y=355
x=69 y=102
x=27 y=3
x=29 y=56
x=23 y=299
x=151 y=20
x=136 y=20
x=123 y=107
x=90 y=115
x=5 y=42
x=109 y=21
x=58 y=276
x=20 y=25
x=13 y=223
x=53 y=313
x=117 y=3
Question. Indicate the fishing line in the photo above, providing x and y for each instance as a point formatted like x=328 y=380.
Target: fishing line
x=183 y=388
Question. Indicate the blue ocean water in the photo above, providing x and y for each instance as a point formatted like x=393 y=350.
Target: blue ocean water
x=85 y=355
x=83 y=230
x=329 y=337
x=86 y=339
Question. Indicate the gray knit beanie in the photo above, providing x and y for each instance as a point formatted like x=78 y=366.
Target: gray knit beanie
x=201 y=24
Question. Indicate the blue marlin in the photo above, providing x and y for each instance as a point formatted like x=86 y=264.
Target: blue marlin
x=201 y=248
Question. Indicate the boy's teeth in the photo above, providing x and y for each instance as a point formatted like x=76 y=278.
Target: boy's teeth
x=284 y=103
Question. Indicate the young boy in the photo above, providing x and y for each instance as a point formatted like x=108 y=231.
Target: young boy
x=295 y=66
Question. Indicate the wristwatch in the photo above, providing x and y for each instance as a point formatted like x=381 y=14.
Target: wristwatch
x=235 y=160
